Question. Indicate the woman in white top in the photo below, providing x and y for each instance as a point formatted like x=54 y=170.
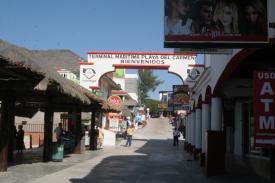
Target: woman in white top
x=176 y=135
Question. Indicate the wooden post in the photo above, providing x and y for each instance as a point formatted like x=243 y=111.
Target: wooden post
x=7 y=115
x=77 y=131
x=48 y=134
x=12 y=130
x=93 y=137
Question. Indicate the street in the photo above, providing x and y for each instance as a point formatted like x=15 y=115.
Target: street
x=151 y=158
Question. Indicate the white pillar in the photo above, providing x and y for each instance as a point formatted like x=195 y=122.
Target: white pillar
x=216 y=113
x=198 y=128
x=193 y=121
x=186 y=128
x=189 y=128
x=238 y=132
x=205 y=123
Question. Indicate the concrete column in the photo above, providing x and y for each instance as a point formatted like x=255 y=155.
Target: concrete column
x=186 y=128
x=193 y=121
x=189 y=128
x=238 y=132
x=216 y=114
x=198 y=128
x=205 y=123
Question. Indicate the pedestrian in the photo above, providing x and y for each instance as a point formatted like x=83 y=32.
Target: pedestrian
x=59 y=133
x=130 y=131
x=176 y=135
x=138 y=119
x=128 y=121
x=100 y=136
x=20 y=139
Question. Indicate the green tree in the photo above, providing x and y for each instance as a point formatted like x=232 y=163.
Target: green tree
x=147 y=82
x=152 y=105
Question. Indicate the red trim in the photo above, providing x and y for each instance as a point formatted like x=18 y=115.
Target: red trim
x=86 y=63
x=119 y=92
x=142 y=66
x=141 y=53
x=196 y=65
x=94 y=87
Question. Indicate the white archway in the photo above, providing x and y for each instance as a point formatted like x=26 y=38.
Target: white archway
x=100 y=63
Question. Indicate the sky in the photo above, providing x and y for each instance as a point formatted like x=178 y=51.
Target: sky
x=88 y=25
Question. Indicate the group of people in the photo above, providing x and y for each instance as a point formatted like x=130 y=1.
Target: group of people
x=184 y=17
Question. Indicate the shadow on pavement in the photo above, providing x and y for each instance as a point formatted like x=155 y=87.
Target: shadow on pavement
x=159 y=161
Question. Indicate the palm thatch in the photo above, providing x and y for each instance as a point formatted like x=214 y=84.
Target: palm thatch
x=52 y=82
x=107 y=107
x=125 y=111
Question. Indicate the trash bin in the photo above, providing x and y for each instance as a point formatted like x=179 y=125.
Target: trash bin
x=58 y=151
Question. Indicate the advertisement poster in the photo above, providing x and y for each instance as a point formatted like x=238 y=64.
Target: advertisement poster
x=220 y=22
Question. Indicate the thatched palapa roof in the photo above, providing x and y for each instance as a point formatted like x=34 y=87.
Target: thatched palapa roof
x=52 y=82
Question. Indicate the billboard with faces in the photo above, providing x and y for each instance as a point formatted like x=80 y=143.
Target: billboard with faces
x=215 y=23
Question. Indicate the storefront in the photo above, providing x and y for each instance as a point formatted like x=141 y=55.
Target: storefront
x=230 y=109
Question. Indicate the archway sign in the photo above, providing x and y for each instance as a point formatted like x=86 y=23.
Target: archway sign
x=100 y=63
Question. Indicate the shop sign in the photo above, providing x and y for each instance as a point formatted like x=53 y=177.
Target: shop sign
x=115 y=100
x=264 y=108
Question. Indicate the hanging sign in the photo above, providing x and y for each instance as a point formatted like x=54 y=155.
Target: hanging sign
x=264 y=108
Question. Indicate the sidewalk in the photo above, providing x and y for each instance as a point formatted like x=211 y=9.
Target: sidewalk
x=29 y=166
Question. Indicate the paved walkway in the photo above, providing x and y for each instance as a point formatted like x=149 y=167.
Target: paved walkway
x=151 y=158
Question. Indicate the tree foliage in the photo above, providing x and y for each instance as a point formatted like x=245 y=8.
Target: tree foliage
x=147 y=82
x=152 y=105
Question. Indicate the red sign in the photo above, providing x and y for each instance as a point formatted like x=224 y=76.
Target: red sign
x=264 y=108
x=115 y=100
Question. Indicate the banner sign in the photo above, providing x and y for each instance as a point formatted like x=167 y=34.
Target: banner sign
x=180 y=97
x=215 y=23
x=100 y=63
x=264 y=108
